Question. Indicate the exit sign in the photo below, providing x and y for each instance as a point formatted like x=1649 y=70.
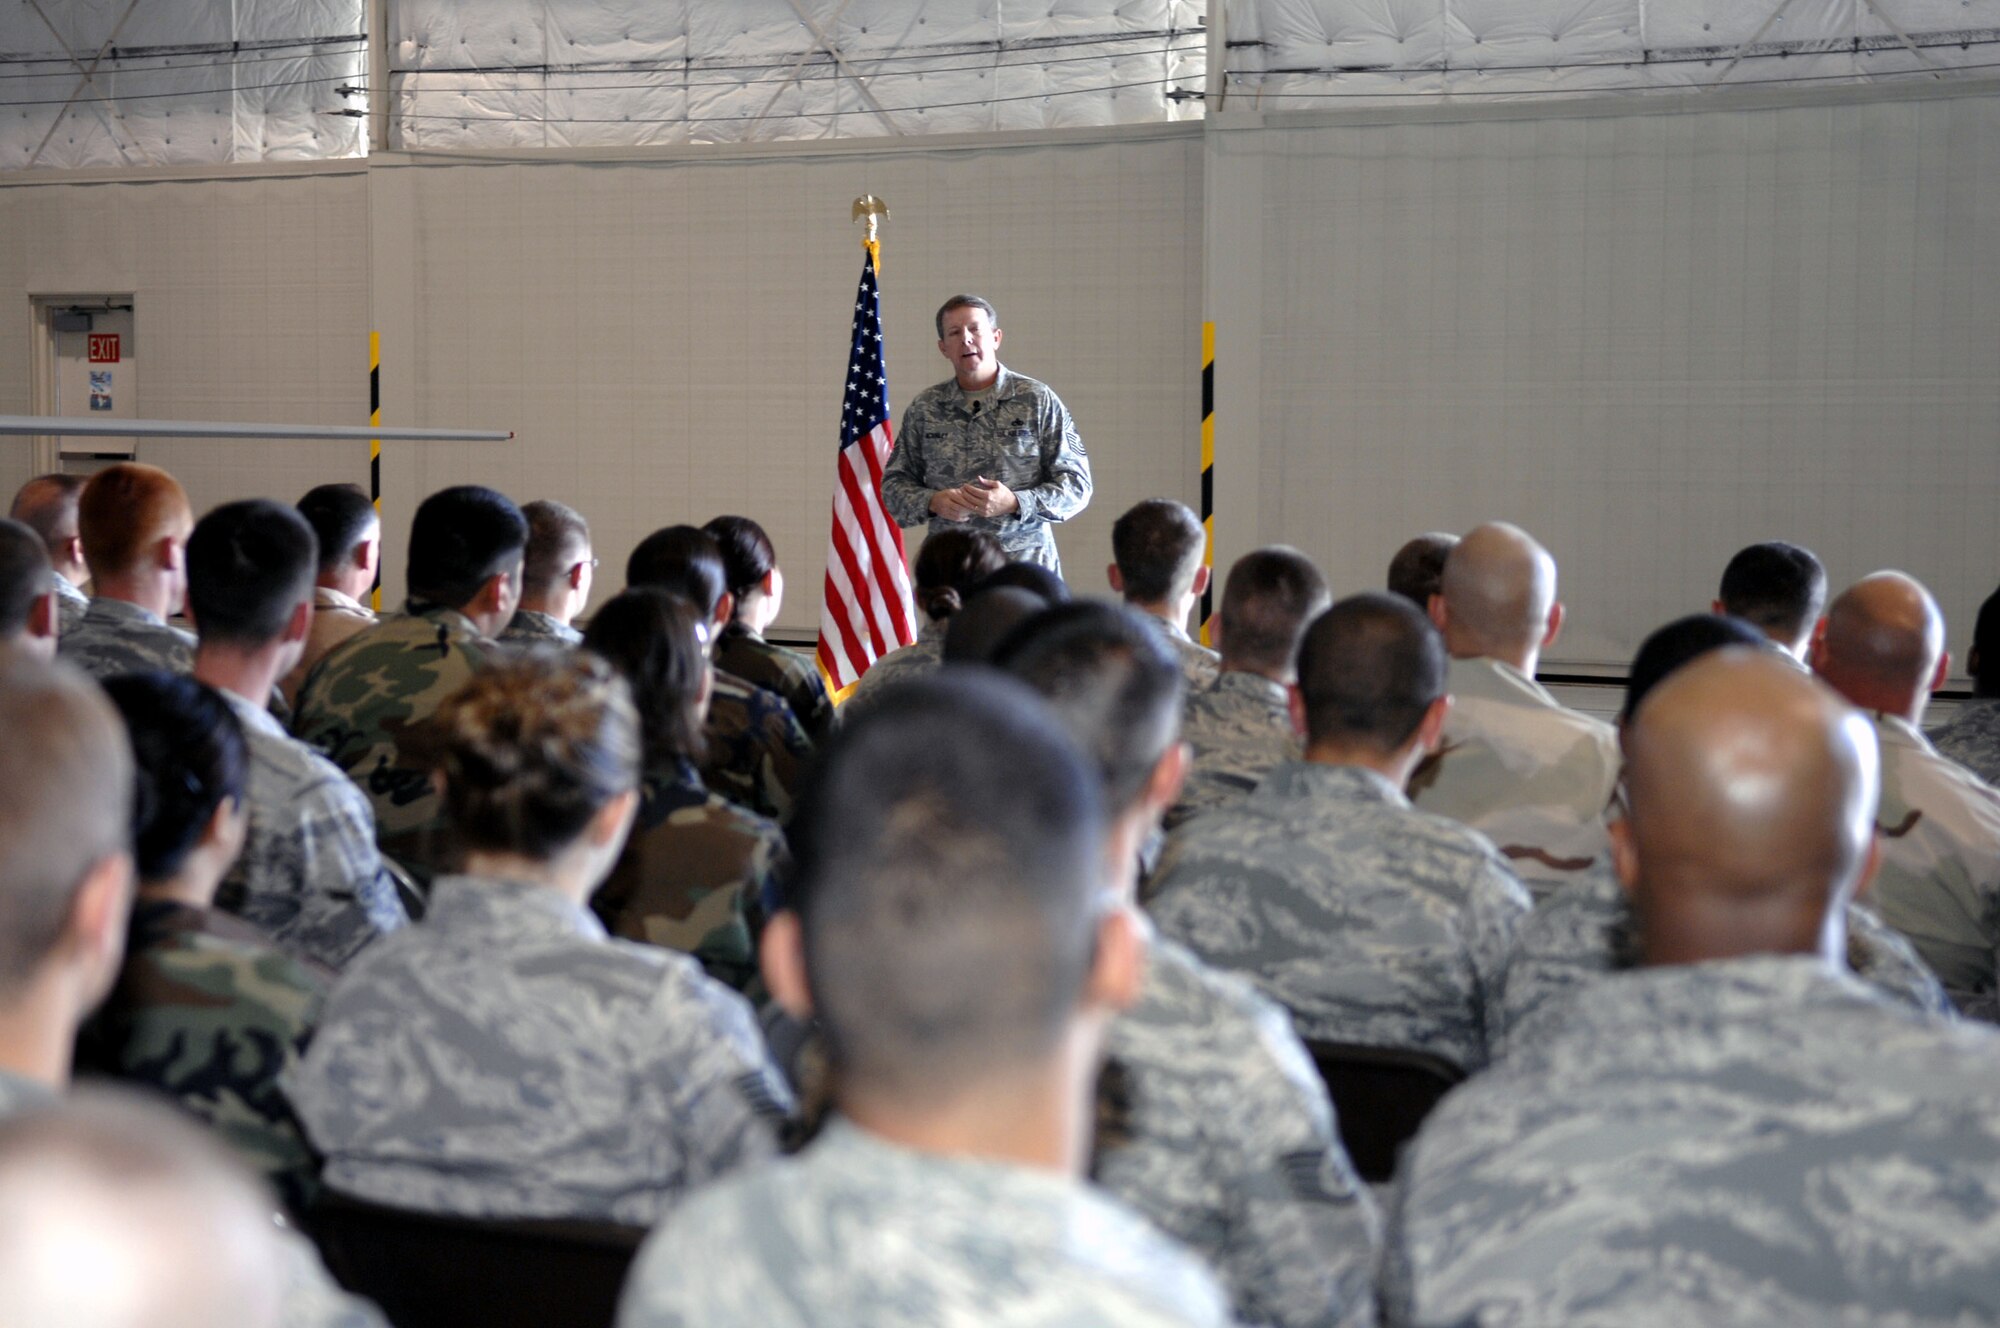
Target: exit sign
x=104 y=348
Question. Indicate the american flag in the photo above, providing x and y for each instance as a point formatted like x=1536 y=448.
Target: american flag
x=868 y=609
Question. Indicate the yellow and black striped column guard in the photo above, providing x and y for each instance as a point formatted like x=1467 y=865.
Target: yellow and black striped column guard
x=375 y=449
x=1208 y=472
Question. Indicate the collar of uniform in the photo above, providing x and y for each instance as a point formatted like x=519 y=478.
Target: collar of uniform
x=64 y=590
x=1895 y=731
x=251 y=715
x=677 y=779
x=1007 y=384
x=508 y=910
x=535 y=624
x=326 y=597
x=1763 y=988
x=105 y=609
x=444 y=615
x=932 y=632
x=736 y=629
x=849 y=1148
x=1244 y=683
x=1171 y=628
x=1342 y=783
x=1496 y=680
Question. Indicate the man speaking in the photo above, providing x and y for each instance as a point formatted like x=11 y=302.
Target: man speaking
x=987 y=449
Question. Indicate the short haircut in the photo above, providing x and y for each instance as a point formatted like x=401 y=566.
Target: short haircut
x=558 y=539
x=249 y=565
x=189 y=754
x=460 y=539
x=949 y=565
x=654 y=640
x=683 y=559
x=532 y=748
x=46 y=505
x=1777 y=586
x=1271 y=594
x=1986 y=640
x=24 y=576
x=1369 y=667
x=1032 y=577
x=65 y=804
x=124 y=511
x=965 y=302
x=1417 y=571
x=747 y=555
x=1158 y=546
x=1108 y=675
x=341 y=516
x=987 y=620
x=948 y=889
x=1681 y=641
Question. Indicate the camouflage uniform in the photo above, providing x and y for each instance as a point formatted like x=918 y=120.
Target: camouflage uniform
x=336 y=617
x=532 y=628
x=309 y=876
x=366 y=692
x=1240 y=729
x=1586 y=931
x=694 y=876
x=1972 y=737
x=1747 y=1142
x=1529 y=774
x=115 y=637
x=71 y=604
x=1940 y=879
x=756 y=749
x=208 y=1011
x=1372 y=922
x=1199 y=665
x=504 y=1058
x=857 y=1230
x=1213 y=1123
x=789 y=673
x=1022 y=437
x=912 y=661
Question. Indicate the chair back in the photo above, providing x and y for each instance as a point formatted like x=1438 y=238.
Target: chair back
x=1381 y=1095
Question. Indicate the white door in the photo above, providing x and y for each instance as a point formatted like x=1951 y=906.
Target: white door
x=97 y=375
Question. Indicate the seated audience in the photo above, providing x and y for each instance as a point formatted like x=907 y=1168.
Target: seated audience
x=309 y=876
x=697 y=870
x=1738 y=1132
x=1372 y=921
x=1417 y=571
x=756 y=747
x=948 y=566
x=504 y=1057
x=556 y=574
x=344 y=522
x=1586 y=930
x=1157 y=549
x=947 y=1190
x=1779 y=589
x=1211 y=1119
x=1882 y=647
x=134 y=521
x=46 y=505
x=757 y=593
x=1972 y=737
x=30 y=613
x=1241 y=727
x=464 y=578
x=1529 y=774
x=207 y=1010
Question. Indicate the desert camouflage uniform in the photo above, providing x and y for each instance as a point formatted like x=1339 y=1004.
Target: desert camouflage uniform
x=926 y=655
x=1023 y=437
x=1940 y=879
x=1213 y=1123
x=366 y=692
x=1746 y=1142
x=309 y=876
x=695 y=876
x=210 y=1012
x=115 y=637
x=336 y=617
x=789 y=673
x=1586 y=931
x=504 y=1058
x=532 y=628
x=1372 y=922
x=756 y=749
x=1529 y=774
x=1972 y=737
x=1240 y=729
x=71 y=604
x=857 y=1230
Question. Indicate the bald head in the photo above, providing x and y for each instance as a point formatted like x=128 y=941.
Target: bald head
x=1752 y=802
x=1883 y=644
x=1499 y=596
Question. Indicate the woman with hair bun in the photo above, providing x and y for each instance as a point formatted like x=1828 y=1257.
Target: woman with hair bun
x=949 y=565
x=505 y=1057
x=757 y=588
